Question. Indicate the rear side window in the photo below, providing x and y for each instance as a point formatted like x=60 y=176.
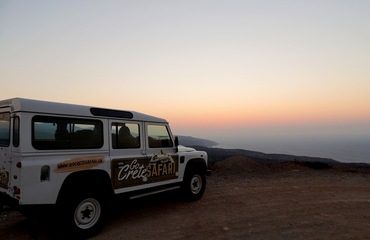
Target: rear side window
x=66 y=133
x=16 y=131
x=125 y=135
x=158 y=136
x=4 y=129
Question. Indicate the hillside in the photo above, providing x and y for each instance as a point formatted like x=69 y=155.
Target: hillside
x=192 y=141
x=218 y=154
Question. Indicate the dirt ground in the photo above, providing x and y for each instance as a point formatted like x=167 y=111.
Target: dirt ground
x=243 y=200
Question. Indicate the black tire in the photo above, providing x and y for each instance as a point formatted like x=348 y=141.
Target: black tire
x=194 y=184
x=27 y=212
x=84 y=214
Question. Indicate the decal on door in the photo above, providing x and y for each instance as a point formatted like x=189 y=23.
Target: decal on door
x=137 y=171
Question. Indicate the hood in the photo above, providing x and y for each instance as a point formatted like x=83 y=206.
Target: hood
x=182 y=148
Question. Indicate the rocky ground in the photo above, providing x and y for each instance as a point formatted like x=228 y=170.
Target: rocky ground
x=243 y=200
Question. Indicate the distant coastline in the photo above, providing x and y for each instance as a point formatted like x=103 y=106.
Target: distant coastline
x=342 y=149
x=350 y=150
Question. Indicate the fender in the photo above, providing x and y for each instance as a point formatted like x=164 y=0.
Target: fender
x=95 y=180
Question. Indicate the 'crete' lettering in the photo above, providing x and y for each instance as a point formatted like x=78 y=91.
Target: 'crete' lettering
x=133 y=170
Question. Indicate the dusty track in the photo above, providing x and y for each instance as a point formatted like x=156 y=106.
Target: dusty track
x=253 y=202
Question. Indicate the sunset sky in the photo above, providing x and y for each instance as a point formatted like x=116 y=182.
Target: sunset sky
x=211 y=68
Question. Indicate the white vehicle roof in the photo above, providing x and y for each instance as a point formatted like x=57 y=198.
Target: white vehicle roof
x=37 y=106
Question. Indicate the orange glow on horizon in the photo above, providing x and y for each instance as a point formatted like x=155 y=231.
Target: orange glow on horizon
x=232 y=120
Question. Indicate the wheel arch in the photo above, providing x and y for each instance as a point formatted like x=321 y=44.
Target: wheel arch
x=88 y=180
x=196 y=163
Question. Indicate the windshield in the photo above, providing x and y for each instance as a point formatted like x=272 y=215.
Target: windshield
x=4 y=129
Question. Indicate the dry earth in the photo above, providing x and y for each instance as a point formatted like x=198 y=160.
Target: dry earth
x=243 y=200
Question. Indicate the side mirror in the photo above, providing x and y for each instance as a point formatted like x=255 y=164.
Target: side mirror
x=177 y=143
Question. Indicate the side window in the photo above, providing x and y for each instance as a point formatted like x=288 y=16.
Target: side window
x=4 y=129
x=125 y=135
x=158 y=136
x=66 y=133
x=16 y=131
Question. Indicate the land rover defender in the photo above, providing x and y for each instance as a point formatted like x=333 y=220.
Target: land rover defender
x=78 y=158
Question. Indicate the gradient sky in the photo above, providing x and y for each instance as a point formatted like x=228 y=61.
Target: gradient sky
x=209 y=67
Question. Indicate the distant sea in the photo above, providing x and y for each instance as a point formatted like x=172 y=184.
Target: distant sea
x=351 y=149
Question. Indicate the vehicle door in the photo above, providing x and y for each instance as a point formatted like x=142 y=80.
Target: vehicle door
x=128 y=161
x=163 y=166
x=5 y=149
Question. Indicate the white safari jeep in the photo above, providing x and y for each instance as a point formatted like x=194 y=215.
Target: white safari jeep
x=78 y=158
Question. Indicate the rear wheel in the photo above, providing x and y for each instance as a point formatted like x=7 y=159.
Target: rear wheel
x=87 y=213
x=84 y=215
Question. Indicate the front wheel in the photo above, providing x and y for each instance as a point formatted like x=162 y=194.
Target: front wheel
x=194 y=185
